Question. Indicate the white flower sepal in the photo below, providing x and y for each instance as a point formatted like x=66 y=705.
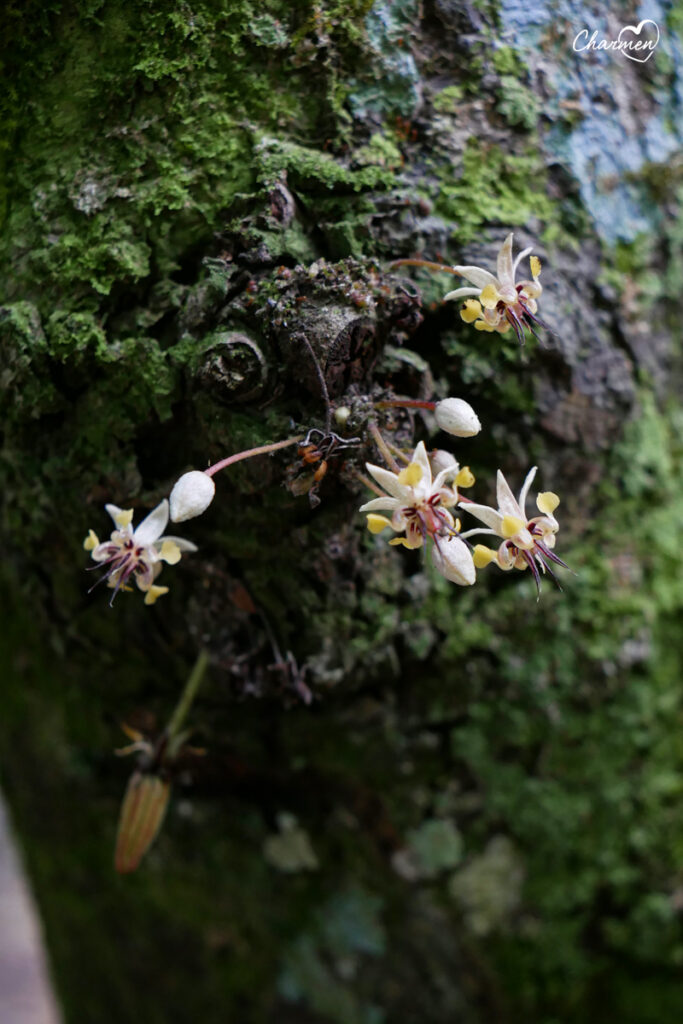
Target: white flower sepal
x=456 y=416
x=191 y=495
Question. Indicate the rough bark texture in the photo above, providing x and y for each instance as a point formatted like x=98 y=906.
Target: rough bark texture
x=478 y=816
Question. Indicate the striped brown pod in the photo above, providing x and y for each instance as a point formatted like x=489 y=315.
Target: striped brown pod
x=142 y=814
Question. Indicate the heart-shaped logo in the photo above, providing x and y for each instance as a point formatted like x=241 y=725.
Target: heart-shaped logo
x=640 y=49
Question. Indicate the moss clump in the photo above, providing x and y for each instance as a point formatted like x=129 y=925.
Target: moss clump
x=517 y=103
x=447 y=100
x=507 y=61
x=492 y=186
x=313 y=170
x=119 y=190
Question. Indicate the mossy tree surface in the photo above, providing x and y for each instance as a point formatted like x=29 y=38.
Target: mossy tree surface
x=477 y=817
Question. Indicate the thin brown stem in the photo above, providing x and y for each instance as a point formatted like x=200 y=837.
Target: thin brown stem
x=323 y=384
x=429 y=264
x=382 y=445
x=405 y=403
x=373 y=486
x=398 y=452
x=262 y=450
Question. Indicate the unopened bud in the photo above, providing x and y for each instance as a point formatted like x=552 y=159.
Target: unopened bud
x=441 y=460
x=453 y=560
x=191 y=495
x=341 y=415
x=456 y=416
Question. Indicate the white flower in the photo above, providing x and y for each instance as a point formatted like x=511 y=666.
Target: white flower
x=420 y=507
x=191 y=495
x=456 y=416
x=137 y=555
x=527 y=543
x=500 y=302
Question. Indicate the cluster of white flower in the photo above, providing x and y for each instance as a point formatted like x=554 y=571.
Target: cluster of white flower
x=420 y=496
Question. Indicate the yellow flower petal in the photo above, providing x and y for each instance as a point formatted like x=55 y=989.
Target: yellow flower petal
x=170 y=552
x=489 y=297
x=482 y=556
x=481 y=325
x=124 y=518
x=411 y=475
x=377 y=523
x=131 y=733
x=547 y=502
x=405 y=542
x=512 y=525
x=470 y=311
x=154 y=592
x=535 y=265
x=465 y=477
x=91 y=541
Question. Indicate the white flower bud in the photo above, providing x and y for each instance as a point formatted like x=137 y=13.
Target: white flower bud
x=191 y=495
x=441 y=460
x=341 y=415
x=456 y=416
x=452 y=558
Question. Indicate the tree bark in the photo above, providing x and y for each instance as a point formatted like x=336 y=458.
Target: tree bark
x=415 y=801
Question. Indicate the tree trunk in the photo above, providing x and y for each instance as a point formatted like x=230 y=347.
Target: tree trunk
x=416 y=801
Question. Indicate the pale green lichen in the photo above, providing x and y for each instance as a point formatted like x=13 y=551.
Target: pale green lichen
x=320 y=966
x=290 y=849
x=435 y=846
x=447 y=100
x=492 y=186
x=488 y=888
